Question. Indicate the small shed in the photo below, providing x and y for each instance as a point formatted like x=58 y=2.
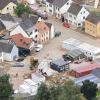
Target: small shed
x=89 y=77
x=74 y=55
x=60 y=65
x=83 y=70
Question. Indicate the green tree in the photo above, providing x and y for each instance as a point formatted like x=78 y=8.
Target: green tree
x=6 y=89
x=89 y=89
x=55 y=92
x=43 y=93
x=67 y=91
x=70 y=92
x=21 y=9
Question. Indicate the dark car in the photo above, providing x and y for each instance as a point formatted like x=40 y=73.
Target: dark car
x=19 y=59
x=57 y=34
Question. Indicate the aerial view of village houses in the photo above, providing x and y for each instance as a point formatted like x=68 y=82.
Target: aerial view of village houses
x=49 y=50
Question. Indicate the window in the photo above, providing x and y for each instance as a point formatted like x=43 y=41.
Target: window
x=7 y=8
x=36 y=30
x=84 y=11
x=50 y=5
x=58 y=9
x=67 y=3
x=74 y=17
x=79 y=24
x=84 y=17
x=50 y=10
x=47 y=5
x=35 y=41
x=36 y=36
x=13 y=7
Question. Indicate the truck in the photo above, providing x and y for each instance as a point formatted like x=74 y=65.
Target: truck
x=42 y=14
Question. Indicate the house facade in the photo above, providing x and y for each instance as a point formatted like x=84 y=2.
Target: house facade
x=8 y=52
x=43 y=32
x=58 y=7
x=76 y=15
x=8 y=6
x=92 y=25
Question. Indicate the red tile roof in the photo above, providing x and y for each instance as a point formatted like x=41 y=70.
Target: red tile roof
x=21 y=41
x=42 y=27
x=86 y=68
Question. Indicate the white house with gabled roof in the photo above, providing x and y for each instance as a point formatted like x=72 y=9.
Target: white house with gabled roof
x=76 y=15
x=58 y=7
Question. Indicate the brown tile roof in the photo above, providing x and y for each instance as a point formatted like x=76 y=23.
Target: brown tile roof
x=21 y=41
x=41 y=27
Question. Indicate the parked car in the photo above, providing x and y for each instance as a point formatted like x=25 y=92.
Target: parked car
x=38 y=47
x=17 y=64
x=57 y=34
x=66 y=25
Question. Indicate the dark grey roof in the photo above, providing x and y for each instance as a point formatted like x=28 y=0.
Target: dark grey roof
x=48 y=24
x=6 y=47
x=6 y=17
x=58 y=3
x=60 y=62
x=93 y=18
x=74 y=9
x=2 y=27
x=96 y=72
x=3 y=3
x=28 y=23
x=50 y=1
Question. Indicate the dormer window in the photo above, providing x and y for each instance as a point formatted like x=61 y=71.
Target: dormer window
x=44 y=28
x=21 y=40
x=24 y=42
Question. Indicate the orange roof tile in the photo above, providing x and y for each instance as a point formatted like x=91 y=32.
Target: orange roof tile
x=21 y=41
x=41 y=26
